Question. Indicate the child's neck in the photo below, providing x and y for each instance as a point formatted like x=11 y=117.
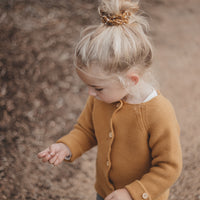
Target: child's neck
x=139 y=94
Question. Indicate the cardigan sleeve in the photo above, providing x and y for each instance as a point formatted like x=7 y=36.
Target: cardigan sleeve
x=164 y=144
x=82 y=137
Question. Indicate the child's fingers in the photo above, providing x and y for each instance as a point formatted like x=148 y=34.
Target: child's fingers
x=109 y=197
x=52 y=150
x=53 y=159
x=47 y=158
x=43 y=153
x=59 y=159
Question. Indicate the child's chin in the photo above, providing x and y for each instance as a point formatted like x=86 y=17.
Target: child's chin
x=100 y=99
x=103 y=100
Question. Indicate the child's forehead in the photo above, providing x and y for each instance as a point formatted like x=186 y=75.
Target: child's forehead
x=95 y=78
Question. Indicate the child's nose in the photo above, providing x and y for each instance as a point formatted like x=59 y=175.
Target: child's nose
x=91 y=91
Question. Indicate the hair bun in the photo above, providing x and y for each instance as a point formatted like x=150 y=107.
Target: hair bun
x=117 y=12
x=118 y=44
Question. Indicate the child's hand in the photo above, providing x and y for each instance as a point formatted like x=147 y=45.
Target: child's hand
x=121 y=194
x=55 y=154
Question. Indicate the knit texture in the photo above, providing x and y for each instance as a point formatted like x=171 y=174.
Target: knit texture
x=138 y=146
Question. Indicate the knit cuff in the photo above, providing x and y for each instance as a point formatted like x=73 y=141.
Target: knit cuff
x=138 y=191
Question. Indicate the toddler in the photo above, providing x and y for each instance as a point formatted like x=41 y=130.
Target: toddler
x=133 y=124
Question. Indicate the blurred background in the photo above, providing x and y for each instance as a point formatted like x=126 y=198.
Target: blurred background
x=41 y=96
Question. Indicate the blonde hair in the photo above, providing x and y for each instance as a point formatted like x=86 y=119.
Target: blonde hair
x=116 y=48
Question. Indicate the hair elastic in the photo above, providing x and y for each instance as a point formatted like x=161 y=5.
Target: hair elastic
x=115 y=20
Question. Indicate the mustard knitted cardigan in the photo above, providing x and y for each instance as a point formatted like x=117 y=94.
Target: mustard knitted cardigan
x=138 y=146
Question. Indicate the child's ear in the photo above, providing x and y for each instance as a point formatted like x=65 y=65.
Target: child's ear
x=133 y=77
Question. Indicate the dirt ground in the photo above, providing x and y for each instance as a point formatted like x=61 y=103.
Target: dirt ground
x=41 y=96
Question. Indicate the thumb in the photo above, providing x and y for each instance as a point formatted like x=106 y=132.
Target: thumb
x=52 y=150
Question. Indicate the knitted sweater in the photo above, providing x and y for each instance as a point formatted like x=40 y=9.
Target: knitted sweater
x=138 y=146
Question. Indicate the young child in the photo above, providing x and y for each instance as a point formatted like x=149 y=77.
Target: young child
x=134 y=125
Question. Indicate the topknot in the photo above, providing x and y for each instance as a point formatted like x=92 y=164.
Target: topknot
x=117 y=7
x=116 y=12
x=118 y=44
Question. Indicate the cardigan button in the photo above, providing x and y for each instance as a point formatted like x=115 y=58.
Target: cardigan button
x=110 y=135
x=107 y=163
x=145 y=196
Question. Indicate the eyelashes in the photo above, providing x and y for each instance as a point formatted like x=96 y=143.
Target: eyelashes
x=98 y=89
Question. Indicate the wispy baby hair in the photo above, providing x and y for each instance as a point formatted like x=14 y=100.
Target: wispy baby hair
x=116 y=47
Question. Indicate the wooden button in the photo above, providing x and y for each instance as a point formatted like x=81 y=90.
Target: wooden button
x=107 y=163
